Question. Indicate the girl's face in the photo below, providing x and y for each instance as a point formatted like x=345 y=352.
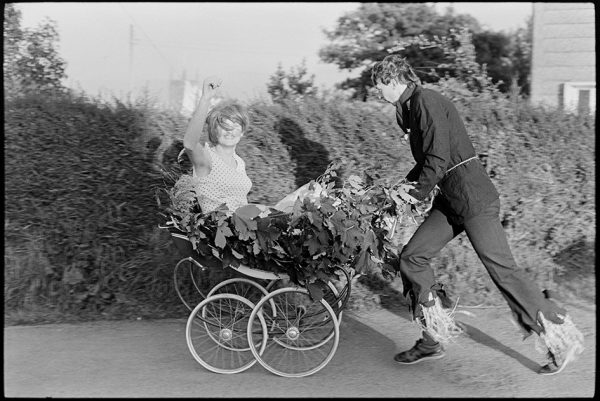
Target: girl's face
x=230 y=134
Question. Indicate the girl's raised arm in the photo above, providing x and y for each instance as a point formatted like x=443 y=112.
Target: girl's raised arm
x=193 y=134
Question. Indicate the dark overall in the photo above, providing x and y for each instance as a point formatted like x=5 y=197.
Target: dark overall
x=468 y=201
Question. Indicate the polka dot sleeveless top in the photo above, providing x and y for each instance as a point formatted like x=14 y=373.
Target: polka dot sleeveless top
x=223 y=184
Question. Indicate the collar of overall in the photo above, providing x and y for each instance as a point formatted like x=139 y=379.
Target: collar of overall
x=402 y=107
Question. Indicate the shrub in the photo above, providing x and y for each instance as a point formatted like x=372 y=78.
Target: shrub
x=74 y=175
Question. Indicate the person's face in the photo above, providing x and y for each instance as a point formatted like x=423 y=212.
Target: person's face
x=230 y=134
x=392 y=91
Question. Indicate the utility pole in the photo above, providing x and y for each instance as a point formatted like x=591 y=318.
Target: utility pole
x=130 y=59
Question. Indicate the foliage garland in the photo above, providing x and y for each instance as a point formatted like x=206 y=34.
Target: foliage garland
x=344 y=227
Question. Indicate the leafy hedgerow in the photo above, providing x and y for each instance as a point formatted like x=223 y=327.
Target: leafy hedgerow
x=74 y=176
x=80 y=181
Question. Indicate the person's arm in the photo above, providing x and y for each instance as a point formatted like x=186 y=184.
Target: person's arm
x=435 y=129
x=192 y=142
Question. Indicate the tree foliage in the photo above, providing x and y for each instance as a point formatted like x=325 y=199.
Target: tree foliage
x=291 y=85
x=458 y=59
x=493 y=51
x=364 y=36
x=459 y=76
x=521 y=48
x=31 y=60
x=507 y=56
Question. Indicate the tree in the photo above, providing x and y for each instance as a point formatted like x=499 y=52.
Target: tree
x=493 y=50
x=276 y=86
x=12 y=31
x=520 y=54
x=292 y=85
x=363 y=36
x=507 y=56
x=31 y=60
x=458 y=60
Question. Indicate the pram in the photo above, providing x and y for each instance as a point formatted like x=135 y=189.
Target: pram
x=258 y=316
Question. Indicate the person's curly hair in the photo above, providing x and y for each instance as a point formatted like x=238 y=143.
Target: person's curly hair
x=226 y=110
x=392 y=67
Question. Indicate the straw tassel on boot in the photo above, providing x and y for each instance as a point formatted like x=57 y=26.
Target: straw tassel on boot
x=439 y=323
x=562 y=341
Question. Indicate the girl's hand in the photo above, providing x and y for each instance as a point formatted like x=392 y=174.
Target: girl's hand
x=210 y=86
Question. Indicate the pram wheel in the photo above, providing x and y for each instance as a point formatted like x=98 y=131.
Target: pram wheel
x=243 y=287
x=218 y=332
x=303 y=334
x=336 y=293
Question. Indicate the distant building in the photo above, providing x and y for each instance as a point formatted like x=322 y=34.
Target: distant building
x=184 y=95
x=176 y=94
x=563 y=65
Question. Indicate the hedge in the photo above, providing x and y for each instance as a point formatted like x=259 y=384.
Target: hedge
x=83 y=178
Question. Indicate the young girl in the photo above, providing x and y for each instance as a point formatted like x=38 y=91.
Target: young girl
x=220 y=173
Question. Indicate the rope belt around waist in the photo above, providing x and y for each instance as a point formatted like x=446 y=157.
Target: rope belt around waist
x=463 y=162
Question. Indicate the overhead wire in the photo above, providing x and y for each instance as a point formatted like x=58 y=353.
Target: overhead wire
x=203 y=48
x=224 y=49
x=147 y=36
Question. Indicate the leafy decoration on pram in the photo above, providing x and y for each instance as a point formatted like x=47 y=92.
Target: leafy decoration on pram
x=348 y=226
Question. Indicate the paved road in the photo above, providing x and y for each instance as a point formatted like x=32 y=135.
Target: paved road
x=151 y=359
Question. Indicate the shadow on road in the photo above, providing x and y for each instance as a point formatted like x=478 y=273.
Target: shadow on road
x=484 y=339
x=393 y=301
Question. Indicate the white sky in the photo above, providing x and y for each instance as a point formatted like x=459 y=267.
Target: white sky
x=241 y=42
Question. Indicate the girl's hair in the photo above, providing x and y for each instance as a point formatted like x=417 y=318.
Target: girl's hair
x=226 y=110
x=393 y=67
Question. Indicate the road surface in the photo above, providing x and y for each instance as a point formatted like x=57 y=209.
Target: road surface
x=151 y=359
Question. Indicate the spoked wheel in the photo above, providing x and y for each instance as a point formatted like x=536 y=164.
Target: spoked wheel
x=219 y=330
x=337 y=293
x=273 y=285
x=303 y=334
x=243 y=287
x=191 y=281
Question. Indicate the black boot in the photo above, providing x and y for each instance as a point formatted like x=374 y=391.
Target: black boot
x=425 y=348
